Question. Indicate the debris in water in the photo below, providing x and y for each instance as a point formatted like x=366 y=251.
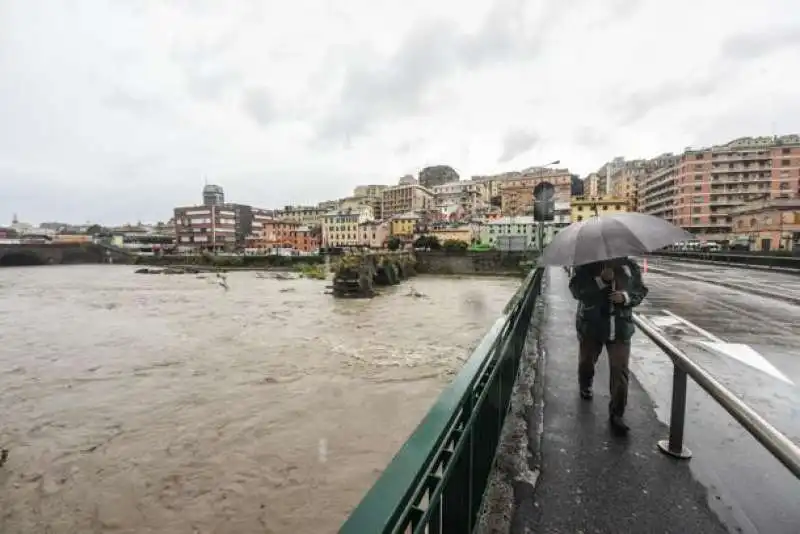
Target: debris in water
x=416 y=294
x=3 y=456
x=222 y=280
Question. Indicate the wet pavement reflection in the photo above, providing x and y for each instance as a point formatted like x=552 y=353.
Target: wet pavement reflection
x=752 y=345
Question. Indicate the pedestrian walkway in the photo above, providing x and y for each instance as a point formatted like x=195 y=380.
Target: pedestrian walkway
x=592 y=481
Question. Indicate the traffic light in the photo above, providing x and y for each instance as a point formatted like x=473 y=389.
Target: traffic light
x=544 y=202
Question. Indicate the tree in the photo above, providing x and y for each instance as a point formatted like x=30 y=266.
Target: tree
x=394 y=243
x=454 y=245
x=95 y=229
x=428 y=242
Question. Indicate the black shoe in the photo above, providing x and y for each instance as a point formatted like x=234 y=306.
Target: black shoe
x=618 y=424
x=586 y=393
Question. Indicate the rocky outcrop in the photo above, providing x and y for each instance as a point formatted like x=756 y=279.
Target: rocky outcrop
x=437 y=175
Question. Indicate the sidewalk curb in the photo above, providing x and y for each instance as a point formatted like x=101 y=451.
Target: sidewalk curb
x=736 y=287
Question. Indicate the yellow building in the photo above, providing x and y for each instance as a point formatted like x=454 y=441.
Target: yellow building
x=584 y=207
x=404 y=225
x=341 y=228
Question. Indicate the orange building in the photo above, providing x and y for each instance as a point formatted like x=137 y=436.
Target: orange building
x=516 y=193
x=307 y=239
x=285 y=233
x=768 y=224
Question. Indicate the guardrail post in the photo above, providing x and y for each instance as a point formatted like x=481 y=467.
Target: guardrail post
x=674 y=445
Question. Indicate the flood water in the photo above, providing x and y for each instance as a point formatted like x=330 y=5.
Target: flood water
x=165 y=404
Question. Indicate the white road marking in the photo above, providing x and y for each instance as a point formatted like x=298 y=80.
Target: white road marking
x=664 y=320
x=747 y=355
x=702 y=332
x=738 y=351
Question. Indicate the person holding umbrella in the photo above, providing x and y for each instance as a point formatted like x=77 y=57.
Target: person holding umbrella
x=607 y=285
x=607 y=292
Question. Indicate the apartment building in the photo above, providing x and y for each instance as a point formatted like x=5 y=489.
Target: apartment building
x=374 y=234
x=517 y=193
x=303 y=214
x=516 y=233
x=369 y=191
x=259 y=219
x=769 y=224
x=712 y=182
x=205 y=228
x=341 y=228
x=624 y=181
x=658 y=192
x=401 y=199
x=307 y=238
x=583 y=208
x=405 y=225
x=466 y=196
x=594 y=186
x=657 y=187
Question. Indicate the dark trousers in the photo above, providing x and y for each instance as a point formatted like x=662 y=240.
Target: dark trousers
x=619 y=355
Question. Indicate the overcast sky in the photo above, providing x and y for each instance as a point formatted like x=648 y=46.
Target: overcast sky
x=116 y=111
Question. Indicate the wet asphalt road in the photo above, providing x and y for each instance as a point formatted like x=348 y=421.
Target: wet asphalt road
x=779 y=282
x=752 y=345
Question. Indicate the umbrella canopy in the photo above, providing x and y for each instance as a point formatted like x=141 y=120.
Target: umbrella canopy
x=611 y=236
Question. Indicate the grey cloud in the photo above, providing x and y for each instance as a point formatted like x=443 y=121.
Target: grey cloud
x=589 y=137
x=203 y=64
x=375 y=89
x=634 y=107
x=752 y=45
x=780 y=118
x=258 y=104
x=515 y=143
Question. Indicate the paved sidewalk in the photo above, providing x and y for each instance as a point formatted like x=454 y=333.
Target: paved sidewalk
x=594 y=482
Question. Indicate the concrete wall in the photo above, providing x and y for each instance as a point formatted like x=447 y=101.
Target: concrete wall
x=466 y=263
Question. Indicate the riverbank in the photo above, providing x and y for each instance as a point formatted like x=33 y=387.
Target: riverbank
x=229 y=262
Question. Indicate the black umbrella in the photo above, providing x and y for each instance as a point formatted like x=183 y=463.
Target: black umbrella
x=606 y=237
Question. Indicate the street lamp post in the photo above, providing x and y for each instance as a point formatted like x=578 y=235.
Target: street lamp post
x=540 y=221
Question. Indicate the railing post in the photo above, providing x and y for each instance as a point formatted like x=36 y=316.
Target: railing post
x=674 y=445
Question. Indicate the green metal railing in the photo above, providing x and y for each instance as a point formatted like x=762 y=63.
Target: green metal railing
x=436 y=482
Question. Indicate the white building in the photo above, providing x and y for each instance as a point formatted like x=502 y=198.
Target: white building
x=341 y=228
x=516 y=233
x=468 y=196
x=563 y=214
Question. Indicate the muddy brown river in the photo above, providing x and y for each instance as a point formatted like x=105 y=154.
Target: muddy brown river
x=165 y=404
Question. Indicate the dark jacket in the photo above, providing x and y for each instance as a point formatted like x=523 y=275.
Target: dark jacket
x=594 y=317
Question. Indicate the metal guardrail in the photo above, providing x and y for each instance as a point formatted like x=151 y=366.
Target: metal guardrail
x=436 y=482
x=778 y=260
x=774 y=441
